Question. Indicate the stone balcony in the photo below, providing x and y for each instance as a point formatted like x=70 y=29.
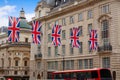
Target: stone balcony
x=38 y=56
x=105 y=49
x=15 y=44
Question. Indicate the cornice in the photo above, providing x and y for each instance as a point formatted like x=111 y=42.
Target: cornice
x=68 y=9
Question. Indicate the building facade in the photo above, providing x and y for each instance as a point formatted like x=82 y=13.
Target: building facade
x=102 y=15
x=15 y=57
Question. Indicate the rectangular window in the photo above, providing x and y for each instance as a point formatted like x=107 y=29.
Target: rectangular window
x=56 y=50
x=15 y=72
x=63 y=22
x=90 y=14
x=71 y=19
x=40 y=14
x=71 y=49
x=49 y=37
x=86 y=64
x=16 y=62
x=49 y=26
x=56 y=65
x=106 y=62
x=56 y=22
x=39 y=48
x=63 y=49
x=63 y=34
x=90 y=63
x=38 y=65
x=105 y=9
x=80 y=64
x=25 y=63
x=89 y=50
x=81 y=48
x=81 y=32
x=49 y=51
x=69 y=64
x=80 y=17
x=89 y=28
x=26 y=39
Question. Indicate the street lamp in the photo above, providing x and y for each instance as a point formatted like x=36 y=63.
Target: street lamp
x=63 y=60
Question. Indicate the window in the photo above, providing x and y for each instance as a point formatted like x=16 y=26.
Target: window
x=25 y=72
x=39 y=48
x=80 y=27
x=105 y=9
x=15 y=72
x=25 y=63
x=56 y=22
x=69 y=64
x=105 y=32
x=49 y=51
x=80 y=64
x=91 y=63
x=49 y=37
x=40 y=14
x=63 y=49
x=16 y=62
x=81 y=48
x=89 y=47
x=49 y=26
x=56 y=50
x=89 y=28
x=106 y=62
x=56 y=65
x=63 y=22
x=63 y=34
x=90 y=14
x=2 y=62
x=26 y=39
x=86 y=64
x=38 y=65
x=80 y=17
x=71 y=49
x=71 y=19
x=9 y=59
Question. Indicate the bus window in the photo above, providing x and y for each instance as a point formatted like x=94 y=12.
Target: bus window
x=94 y=74
x=105 y=74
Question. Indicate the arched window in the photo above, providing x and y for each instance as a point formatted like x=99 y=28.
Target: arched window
x=38 y=76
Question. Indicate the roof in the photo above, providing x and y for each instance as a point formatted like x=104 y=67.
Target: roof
x=24 y=24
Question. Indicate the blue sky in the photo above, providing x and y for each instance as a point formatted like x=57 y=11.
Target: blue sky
x=13 y=7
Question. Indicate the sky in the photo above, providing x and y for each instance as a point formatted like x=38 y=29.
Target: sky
x=13 y=8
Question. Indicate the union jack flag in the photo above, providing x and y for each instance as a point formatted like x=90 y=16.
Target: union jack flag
x=56 y=30
x=75 y=33
x=36 y=32
x=13 y=29
x=93 y=40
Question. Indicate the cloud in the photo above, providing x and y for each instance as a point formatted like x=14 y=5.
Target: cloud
x=4 y=12
x=29 y=16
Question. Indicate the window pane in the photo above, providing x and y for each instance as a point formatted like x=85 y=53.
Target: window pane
x=89 y=28
x=63 y=21
x=71 y=19
x=63 y=34
x=49 y=51
x=80 y=17
x=63 y=49
x=80 y=64
x=56 y=50
x=90 y=14
x=106 y=62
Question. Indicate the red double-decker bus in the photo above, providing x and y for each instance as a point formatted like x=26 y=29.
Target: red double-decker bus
x=86 y=74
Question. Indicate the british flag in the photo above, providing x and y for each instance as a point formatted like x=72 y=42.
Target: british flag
x=36 y=32
x=56 y=30
x=13 y=29
x=93 y=40
x=75 y=33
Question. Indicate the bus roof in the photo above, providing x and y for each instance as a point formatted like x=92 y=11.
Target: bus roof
x=82 y=70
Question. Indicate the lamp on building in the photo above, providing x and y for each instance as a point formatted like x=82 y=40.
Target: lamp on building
x=63 y=57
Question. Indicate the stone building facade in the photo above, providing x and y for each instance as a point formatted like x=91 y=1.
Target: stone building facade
x=102 y=15
x=15 y=57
